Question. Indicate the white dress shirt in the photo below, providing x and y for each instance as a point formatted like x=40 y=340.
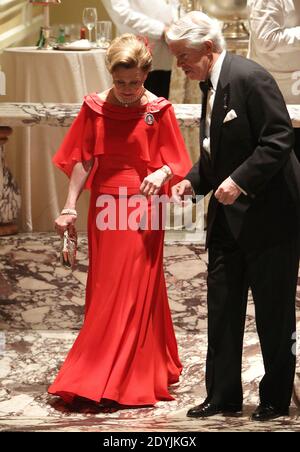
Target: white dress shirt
x=275 y=42
x=147 y=18
x=214 y=78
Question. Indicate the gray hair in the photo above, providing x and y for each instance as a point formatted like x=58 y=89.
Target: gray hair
x=196 y=28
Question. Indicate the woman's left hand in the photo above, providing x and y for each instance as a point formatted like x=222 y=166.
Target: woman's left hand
x=153 y=183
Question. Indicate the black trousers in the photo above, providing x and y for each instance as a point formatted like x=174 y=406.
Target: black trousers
x=272 y=276
x=297 y=142
x=158 y=83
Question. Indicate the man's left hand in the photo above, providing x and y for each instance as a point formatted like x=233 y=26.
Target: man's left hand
x=228 y=192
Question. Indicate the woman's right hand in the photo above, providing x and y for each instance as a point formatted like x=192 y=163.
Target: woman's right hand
x=63 y=222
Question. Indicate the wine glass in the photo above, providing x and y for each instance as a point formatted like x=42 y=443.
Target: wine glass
x=89 y=19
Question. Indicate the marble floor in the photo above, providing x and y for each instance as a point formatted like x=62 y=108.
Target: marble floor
x=41 y=307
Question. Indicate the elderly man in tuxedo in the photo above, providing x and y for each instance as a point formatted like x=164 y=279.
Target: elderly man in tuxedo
x=247 y=161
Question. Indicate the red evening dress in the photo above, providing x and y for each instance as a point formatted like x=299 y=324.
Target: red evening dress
x=126 y=350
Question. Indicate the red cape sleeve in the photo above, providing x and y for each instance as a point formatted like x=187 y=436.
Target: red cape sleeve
x=79 y=142
x=172 y=149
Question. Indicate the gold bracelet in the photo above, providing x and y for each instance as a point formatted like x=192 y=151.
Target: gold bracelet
x=69 y=212
x=167 y=170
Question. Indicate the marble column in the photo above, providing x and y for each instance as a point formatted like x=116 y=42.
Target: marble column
x=10 y=198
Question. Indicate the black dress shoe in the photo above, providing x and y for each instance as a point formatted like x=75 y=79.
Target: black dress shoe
x=268 y=412
x=207 y=409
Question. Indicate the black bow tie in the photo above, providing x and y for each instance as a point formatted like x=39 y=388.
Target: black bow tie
x=205 y=86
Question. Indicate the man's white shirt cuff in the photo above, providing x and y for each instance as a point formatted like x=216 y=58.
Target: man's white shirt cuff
x=240 y=188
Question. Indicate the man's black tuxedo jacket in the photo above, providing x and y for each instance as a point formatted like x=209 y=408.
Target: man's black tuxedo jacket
x=256 y=150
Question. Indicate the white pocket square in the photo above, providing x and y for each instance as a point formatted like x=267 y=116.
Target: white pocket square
x=230 y=116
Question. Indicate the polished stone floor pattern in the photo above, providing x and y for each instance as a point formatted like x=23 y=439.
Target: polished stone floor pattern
x=41 y=307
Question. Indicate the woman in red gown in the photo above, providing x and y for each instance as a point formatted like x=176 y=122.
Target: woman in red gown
x=124 y=138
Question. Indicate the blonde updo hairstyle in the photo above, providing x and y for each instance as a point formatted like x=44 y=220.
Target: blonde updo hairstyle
x=128 y=51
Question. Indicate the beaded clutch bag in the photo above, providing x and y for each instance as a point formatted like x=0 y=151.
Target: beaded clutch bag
x=69 y=248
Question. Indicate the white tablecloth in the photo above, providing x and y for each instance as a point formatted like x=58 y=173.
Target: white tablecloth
x=46 y=76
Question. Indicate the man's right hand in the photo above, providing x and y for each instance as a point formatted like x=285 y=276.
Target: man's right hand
x=182 y=188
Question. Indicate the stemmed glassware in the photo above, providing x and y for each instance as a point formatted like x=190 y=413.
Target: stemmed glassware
x=89 y=19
